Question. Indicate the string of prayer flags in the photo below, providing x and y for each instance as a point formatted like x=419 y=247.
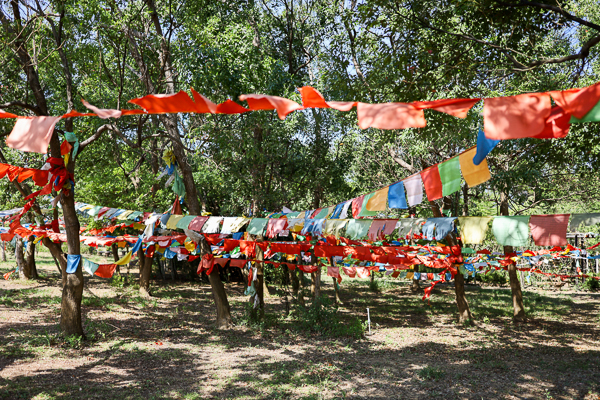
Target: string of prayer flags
x=455 y=107
x=549 y=230
x=378 y=201
x=511 y=230
x=474 y=174
x=473 y=229
x=333 y=227
x=450 y=176
x=592 y=116
x=197 y=223
x=357 y=206
x=432 y=182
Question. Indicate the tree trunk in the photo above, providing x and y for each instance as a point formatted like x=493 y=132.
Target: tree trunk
x=295 y=281
x=145 y=271
x=115 y=253
x=464 y=312
x=336 y=287
x=414 y=286
x=218 y=292
x=260 y=279
x=3 y=250
x=30 y=265
x=515 y=285
x=21 y=264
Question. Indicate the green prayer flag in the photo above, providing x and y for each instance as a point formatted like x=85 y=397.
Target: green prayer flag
x=511 y=231
x=184 y=222
x=450 y=176
x=257 y=226
x=358 y=228
x=364 y=212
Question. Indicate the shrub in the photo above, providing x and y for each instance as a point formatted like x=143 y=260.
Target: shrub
x=496 y=278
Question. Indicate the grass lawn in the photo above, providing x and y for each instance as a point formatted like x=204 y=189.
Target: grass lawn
x=167 y=347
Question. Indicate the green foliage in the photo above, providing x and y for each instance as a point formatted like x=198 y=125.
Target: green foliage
x=495 y=278
x=431 y=373
x=322 y=317
x=591 y=283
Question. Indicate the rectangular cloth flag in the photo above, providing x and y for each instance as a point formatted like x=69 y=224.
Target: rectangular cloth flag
x=380 y=228
x=450 y=176
x=511 y=230
x=414 y=189
x=474 y=174
x=357 y=206
x=473 y=229
x=364 y=212
x=358 y=228
x=378 y=201
x=197 y=224
x=432 y=182
x=173 y=220
x=549 y=230
x=334 y=226
x=396 y=196
x=185 y=222
x=585 y=219
x=257 y=226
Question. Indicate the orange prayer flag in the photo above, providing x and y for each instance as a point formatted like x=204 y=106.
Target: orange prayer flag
x=166 y=103
x=455 y=107
x=4 y=114
x=432 y=182
x=474 y=174
x=313 y=99
x=65 y=148
x=390 y=116
x=230 y=107
x=379 y=200
x=515 y=117
x=264 y=102
x=203 y=105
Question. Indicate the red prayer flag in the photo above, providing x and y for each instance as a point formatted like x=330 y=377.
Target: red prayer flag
x=432 y=182
x=549 y=230
x=455 y=107
x=311 y=98
x=264 y=102
x=557 y=124
x=577 y=102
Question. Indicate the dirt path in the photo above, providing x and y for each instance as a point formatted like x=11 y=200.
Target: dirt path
x=166 y=347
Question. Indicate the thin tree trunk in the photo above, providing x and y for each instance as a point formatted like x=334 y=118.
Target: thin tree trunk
x=336 y=287
x=115 y=253
x=218 y=292
x=316 y=279
x=21 y=264
x=30 y=265
x=260 y=277
x=295 y=281
x=145 y=271
x=515 y=285
x=3 y=251
x=464 y=312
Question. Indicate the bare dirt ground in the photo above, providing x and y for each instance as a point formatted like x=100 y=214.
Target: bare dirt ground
x=167 y=348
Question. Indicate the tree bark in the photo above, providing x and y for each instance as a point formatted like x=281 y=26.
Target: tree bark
x=3 y=249
x=464 y=312
x=21 y=264
x=145 y=271
x=218 y=292
x=115 y=253
x=30 y=265
x=260 y=277
x=515 y=285
x=295 y=281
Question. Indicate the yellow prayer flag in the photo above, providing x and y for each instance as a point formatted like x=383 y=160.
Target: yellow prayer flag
x=410 y=275
x=173 y=220
x=125 y=259
x=379 y=200
x=473 y=174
